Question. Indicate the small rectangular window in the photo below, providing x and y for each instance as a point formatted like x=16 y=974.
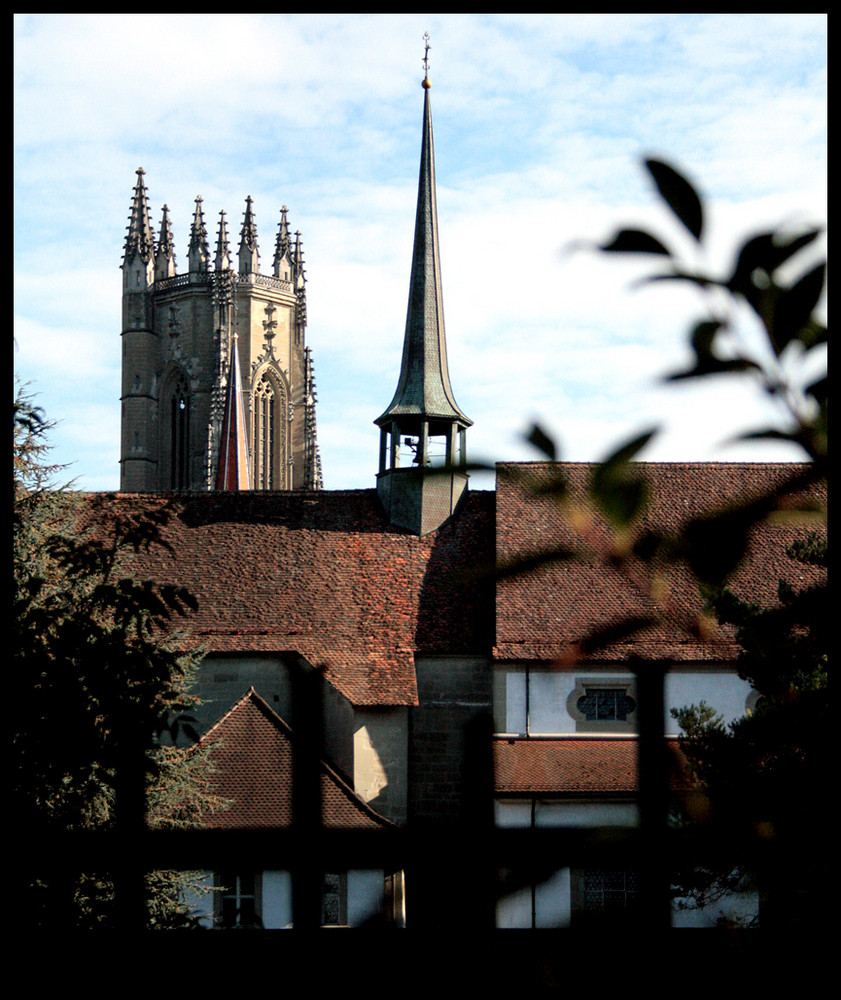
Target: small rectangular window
x=609 y=895
x=237 y=900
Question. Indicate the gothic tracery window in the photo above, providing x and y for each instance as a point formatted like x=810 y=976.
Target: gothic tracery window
x=268 y=434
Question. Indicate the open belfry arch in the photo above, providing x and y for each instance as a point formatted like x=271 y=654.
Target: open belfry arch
x=220 y=341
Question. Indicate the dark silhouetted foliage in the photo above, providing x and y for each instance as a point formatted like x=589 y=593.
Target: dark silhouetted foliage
x=97 y=680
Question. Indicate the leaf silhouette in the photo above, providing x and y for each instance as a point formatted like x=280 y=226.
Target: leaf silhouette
x=634 y=241
x=679 y=195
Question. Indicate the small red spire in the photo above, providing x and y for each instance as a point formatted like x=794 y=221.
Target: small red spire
x=233 y=472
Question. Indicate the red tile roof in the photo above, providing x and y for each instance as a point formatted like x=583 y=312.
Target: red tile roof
x=545 y=614
x=571 y=766
x=324 y=575
x=252 y=761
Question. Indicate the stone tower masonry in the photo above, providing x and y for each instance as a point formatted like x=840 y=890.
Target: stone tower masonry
x=177 y=337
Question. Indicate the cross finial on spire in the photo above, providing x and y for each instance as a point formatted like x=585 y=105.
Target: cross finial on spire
x=426 y=47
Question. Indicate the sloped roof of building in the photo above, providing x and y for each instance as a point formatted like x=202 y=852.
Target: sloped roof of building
x=547 y=614
x=252 y=754
x=573 y=766
x=322 y=574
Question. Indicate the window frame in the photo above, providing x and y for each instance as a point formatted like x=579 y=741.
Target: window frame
x=584 y=725
x=223 y=892
x=269 y=433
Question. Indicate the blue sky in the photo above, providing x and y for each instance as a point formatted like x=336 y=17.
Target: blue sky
x=540 y=124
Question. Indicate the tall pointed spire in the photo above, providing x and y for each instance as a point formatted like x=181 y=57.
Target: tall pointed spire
x=424 y=383
x=423 y=407
x=233 y=472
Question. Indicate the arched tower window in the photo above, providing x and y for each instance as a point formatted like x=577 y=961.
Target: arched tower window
x=179 y=466
x=269 y=434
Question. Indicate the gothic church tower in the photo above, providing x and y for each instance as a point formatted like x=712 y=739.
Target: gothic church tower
x=195 y=341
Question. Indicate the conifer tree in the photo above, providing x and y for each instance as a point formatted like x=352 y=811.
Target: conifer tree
x=98 y=679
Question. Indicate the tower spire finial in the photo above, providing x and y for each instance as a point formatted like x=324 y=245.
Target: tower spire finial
x=426 y=46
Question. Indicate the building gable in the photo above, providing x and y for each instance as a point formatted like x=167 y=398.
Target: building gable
x=252 y=753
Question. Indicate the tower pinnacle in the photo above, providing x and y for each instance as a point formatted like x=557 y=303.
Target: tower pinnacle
x=282 y=246
x=198 y=252
x=222 y=261
x=140 y=238
x=165 y=256
x=249 y=254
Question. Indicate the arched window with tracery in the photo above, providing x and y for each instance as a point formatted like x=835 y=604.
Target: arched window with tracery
x=268 y=434
x=179 y=419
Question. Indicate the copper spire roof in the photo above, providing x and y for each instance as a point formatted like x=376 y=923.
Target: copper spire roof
x=423 y=388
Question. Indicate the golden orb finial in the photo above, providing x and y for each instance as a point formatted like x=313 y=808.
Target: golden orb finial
x=426 y=84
